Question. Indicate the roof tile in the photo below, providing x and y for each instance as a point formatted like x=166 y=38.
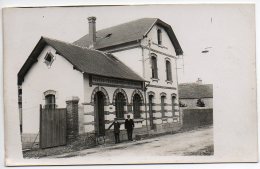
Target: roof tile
x=128 y=32
x=195 y=91
x=93 y=61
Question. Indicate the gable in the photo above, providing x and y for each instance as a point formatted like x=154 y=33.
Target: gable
x=44 y=74
x=83 y=59
x=130 y=32
x=166 y=45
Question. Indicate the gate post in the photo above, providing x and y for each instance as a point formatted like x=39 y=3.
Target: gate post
x=72 y=119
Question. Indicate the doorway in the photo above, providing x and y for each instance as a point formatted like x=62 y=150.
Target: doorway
x=99 y=102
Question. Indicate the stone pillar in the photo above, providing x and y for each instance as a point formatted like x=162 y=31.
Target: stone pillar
x=72 y=119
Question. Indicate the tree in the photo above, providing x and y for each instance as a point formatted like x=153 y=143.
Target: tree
x=200 y=103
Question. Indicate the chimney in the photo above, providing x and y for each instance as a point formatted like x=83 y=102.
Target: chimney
x=199 y=81
x=92 y=31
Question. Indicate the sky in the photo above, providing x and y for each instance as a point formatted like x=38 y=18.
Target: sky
x=196 y=27
x=229 y=31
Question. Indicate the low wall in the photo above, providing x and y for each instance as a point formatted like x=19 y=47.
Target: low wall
x=30 y=140
x=193 y=118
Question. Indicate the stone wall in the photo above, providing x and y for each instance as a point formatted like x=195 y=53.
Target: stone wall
x=72 y=119
x=194 y=118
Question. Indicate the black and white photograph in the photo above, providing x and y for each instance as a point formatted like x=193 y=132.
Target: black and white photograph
x=130 y=84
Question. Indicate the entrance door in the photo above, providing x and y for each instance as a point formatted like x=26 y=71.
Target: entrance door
x=151 y=111
x=99 y=113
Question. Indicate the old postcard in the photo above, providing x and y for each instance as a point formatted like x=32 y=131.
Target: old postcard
x=130 y=84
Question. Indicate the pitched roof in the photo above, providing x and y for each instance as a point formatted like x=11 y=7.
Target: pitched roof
x=195 y=91
x=83 y=59
x=128 y=32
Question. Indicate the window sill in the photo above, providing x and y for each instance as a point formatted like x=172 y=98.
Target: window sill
x=155 y=79
x=169 y=81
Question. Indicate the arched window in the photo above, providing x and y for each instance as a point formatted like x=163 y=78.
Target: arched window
x=173 y=105
x=168 y=71
x=154 y=67
x=159 y=36
x=120 y=102
x=163 y=105
x=50 y=101
x=137 y=106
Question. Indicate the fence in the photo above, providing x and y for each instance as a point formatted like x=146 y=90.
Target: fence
x=193 y=118
x=52 y=127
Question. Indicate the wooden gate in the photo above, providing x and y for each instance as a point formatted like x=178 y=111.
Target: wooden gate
x=52 y=127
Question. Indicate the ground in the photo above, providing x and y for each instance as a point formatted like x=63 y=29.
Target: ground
x=195 y=142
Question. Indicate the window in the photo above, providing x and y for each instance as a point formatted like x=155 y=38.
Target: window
x=48 y=59
x=168 y=71
x=50 y=101
x=120 y=103
x=137 y=106
x=159 y=36
x=154 y=67
x=163 y=105
x=173 y=105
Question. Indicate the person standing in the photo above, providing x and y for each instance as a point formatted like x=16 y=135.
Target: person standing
x=116 y=125
x=129 y=126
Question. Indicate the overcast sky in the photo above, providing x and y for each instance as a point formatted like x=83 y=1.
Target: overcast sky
x=225 y=29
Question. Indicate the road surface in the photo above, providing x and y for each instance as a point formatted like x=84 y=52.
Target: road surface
x=174 y=144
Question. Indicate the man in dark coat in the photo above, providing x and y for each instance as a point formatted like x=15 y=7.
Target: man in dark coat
x=129 y=126
x=116 y=125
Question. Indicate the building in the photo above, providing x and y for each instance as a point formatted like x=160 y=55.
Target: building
x=196 y=95
x=128 y=69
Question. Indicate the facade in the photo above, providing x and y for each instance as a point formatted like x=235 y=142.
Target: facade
x=128 y=69
x=191 y=95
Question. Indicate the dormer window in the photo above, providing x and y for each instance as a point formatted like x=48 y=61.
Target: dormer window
x=48 y=59
x=159 y=36
x=108 y=35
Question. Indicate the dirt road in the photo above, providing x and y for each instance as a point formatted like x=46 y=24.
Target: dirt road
x=185 y=143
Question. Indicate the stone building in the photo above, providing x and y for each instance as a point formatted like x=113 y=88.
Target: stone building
x=128 y=69
x=190 y=94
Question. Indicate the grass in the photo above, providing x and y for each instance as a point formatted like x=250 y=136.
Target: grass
x=72 y=147
x=206 y=151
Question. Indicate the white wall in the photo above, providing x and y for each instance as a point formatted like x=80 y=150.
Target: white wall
x=167 y=48
x=59 y=77
x=137 y=57
x=132 y=58
x=166 y=45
